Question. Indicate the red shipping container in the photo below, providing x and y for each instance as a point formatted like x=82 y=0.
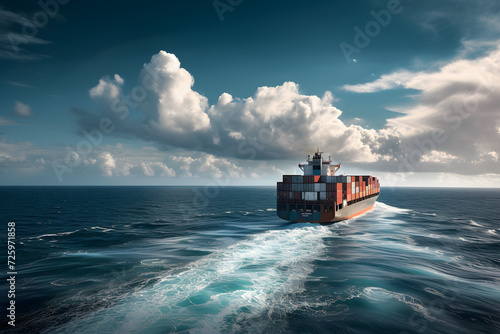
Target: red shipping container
x=339 y=186
x=349 y=197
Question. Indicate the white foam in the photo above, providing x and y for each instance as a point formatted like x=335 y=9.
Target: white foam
x=242 y=281
x=492 y=232
x=376 y=293
x=473 y=223
x=54 y=234
x=103 y=229
x=382 y=207
x=271 y=209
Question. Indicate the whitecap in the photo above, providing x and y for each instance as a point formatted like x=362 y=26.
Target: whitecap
x=103 y=229
x=271 y=209
x=54 y=234
x=473 y=223
x=492 y=232
x=382 y=207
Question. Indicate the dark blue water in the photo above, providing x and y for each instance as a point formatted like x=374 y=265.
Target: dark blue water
x=210 y=260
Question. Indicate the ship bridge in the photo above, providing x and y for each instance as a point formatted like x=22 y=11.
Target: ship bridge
x=317 y=166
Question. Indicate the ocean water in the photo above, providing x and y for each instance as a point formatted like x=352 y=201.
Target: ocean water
x=219 y=260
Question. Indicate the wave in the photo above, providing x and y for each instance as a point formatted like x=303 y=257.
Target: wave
x=102 y=229
x=232 y=286
x=385 y=208
x=376 y=293
x=53 y=235
x=473 y=223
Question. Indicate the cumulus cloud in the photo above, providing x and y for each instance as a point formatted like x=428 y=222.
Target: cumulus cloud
x=180 y=109
x=275 y=123
x=23 y=157
x=107 y=88
x=157 y=168
x=108 y=163
x=454 y=119
x=22 y=109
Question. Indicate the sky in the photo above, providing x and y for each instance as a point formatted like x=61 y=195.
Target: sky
x=238 y=92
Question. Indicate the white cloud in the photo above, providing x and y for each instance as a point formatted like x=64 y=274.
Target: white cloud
x=180 y=109
x=456 y=114
x=275 y=123
x=108 y=163
x=438 y=157
x=387 y=81
x=458 y=101
x=22 y=109
x=157 y=168
x=107 y=88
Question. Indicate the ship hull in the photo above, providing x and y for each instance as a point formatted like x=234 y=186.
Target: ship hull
x=323 y=216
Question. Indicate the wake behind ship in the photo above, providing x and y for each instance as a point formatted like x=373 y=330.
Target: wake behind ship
x=320 y=196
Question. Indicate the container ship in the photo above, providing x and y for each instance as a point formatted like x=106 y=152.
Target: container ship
x=320 y=196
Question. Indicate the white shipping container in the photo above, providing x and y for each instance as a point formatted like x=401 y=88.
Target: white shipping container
x=322 y=196
x=310 y=196
x=317 y=187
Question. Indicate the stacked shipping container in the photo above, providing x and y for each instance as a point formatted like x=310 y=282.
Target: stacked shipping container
x=331 y=190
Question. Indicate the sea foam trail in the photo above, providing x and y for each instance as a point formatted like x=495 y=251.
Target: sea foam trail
x=221 y=291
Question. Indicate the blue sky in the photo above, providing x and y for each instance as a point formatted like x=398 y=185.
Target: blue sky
x=242 y=91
